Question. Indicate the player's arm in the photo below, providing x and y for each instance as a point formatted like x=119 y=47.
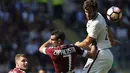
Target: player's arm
x=93 y=50
x=87 y=41
x=111 y=38
x=88 y=53
x=92 y=53
x=44 y=46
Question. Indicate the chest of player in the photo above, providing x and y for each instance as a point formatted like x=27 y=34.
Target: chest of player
x=57 y=54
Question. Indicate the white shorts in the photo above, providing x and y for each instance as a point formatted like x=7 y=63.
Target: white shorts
x=101 y=64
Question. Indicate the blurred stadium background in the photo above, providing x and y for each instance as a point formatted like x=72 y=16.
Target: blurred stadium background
x=26 y=24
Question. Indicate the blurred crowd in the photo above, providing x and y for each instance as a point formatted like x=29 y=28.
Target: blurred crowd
x=26 y=24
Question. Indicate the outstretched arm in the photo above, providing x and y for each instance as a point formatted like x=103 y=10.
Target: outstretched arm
x=87 y=41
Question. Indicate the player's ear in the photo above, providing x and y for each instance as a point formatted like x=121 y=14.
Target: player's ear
x=59 y=40
x=17 y=64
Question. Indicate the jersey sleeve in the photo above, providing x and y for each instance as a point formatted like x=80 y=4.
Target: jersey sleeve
x=81 y=51
x=44 y=50
x=94 y=30
x=47 y=50
x=10 y=71
x=16 y=71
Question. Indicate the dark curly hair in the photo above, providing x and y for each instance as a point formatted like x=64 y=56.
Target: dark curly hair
x=90 y=4
x=58 y=34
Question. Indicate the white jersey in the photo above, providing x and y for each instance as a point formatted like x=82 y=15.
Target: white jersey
x=103 y=61
x=97 y=29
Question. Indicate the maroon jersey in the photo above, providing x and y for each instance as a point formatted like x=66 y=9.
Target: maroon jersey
x=63 y=57
x=16 y=70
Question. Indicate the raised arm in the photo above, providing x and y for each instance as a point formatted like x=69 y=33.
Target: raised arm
x=45 y=45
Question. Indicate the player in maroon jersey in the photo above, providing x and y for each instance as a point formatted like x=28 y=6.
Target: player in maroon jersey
x=63 y=56
x=21 y=64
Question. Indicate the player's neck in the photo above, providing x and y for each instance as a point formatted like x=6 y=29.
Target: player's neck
x=60 y=44
x=23 y=70
x=20 y=68
x=94 y=16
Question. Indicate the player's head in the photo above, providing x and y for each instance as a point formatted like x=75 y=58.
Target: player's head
x=21 y=61
x=57 y=37
x=90 y=7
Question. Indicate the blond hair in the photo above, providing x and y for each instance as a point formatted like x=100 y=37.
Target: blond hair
x=17 y=56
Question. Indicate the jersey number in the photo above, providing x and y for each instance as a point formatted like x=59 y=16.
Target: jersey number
x=70 y=61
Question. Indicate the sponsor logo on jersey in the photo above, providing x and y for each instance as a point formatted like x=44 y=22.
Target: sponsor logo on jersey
x=64 y=52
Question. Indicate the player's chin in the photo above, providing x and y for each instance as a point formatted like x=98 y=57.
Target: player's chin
x=25 y=67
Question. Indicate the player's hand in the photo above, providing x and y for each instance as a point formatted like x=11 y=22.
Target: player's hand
x=115 y=42
x=77 y=43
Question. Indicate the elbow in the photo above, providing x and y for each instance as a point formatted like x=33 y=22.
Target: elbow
x=40 y=50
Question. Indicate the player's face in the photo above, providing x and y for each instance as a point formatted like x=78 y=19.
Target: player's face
x=53 y=40
x=23 y=63
x=89 y=14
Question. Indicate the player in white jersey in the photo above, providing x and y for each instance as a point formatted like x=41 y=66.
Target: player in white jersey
x=97 y=29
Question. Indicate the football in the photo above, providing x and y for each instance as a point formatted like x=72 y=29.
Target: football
x=114 y=13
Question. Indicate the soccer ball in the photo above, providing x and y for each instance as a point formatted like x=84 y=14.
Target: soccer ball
x=114 y=13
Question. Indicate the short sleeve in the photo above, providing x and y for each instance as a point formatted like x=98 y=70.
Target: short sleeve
x=44 y=50
x=10 y=71
x=47 y=50
x=94 y=29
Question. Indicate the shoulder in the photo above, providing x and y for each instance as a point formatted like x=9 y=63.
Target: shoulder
x=11 y=71
x=67 y=45
x=71 y=45
x=16 y=70
x=102 y=20
x=94 y=24
x=76 y=47
x=99 y=22
x=49 y=49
